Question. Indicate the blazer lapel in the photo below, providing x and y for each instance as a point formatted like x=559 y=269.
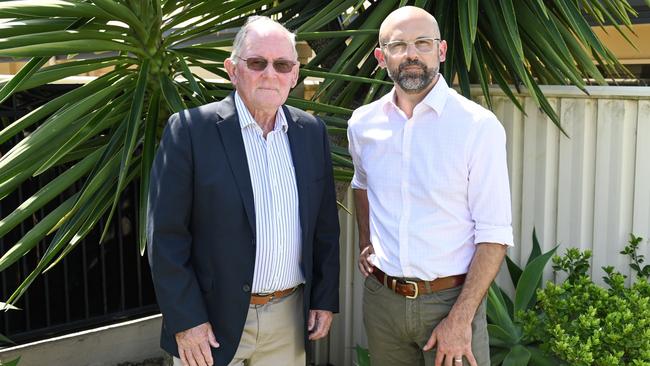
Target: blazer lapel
x=231 y=138
x=296 y=134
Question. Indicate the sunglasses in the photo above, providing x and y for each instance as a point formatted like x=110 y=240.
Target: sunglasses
x=260 y=64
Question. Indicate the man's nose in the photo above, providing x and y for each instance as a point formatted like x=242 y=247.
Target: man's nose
x=269 y=70
x=411 y=51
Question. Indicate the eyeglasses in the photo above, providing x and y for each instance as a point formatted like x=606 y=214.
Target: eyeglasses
x=260 y=64
x=422 y=45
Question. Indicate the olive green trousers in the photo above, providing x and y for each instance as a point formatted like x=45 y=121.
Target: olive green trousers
x=398 y=327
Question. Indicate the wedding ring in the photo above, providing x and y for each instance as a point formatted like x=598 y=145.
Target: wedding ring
x=458 y=360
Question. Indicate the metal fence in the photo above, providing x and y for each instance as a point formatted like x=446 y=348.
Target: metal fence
x=95 y=284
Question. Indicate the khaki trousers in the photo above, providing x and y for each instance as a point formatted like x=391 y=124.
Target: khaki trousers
x=398 y=327
x=273 y=334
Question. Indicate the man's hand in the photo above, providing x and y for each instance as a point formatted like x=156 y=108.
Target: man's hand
x=364 y=260
x=454 y=342
x=319 y=323
x=194 y=345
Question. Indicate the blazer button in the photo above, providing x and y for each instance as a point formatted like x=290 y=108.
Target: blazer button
x=246 y=287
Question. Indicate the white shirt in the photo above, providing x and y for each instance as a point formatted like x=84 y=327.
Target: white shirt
x=437 y=183
x=275 y=194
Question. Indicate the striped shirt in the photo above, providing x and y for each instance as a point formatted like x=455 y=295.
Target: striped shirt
x=278 y=255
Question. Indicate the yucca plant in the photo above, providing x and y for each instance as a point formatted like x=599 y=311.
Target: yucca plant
x=105 y=133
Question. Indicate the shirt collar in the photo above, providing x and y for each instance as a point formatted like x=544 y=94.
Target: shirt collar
x=435 y=99
x=247 y=120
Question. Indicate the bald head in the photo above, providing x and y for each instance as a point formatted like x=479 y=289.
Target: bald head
x=407 y=17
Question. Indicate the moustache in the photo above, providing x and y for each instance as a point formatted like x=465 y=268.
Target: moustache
x=408 y=63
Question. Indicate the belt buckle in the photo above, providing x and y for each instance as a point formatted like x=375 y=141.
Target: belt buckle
x=415 y=286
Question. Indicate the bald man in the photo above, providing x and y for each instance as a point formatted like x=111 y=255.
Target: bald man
x=433 y=205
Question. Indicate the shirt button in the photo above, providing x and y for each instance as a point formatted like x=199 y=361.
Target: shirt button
x=246 y=287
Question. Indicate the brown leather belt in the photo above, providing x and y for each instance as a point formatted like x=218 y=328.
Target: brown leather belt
x=411 y=289
x=263 y=299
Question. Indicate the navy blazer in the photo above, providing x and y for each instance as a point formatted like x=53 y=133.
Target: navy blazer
x=201 y=222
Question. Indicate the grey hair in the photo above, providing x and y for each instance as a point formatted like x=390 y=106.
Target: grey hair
x=243 y=33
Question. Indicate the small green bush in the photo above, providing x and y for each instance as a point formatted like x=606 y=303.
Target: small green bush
x=585 y=324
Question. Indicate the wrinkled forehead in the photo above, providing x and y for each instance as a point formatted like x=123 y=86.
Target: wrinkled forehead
x=269 y=40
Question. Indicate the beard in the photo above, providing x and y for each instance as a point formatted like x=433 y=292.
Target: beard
x=413 y=82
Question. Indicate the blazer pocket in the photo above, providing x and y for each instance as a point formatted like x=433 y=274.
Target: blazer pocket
x=205 y=283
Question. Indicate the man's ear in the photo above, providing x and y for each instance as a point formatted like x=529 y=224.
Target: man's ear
x=442 y=51
x=379 y=55
x=231 y=69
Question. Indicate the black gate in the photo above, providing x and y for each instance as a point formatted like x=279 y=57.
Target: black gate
x=95 y=284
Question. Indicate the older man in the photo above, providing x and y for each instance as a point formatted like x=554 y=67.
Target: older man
x=242 y=227
x=433 y=205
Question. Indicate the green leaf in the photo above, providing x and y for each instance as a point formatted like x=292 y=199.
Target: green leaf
x=317 y=107
x=97 y=208
x=527 y=285
x=60 y=36
x=514 y=270
x=171 y=95
x=33 y=236
x=41 y=139
x=536 y=251
x=105 y=170
x=539 y=358
x=497 y=355
x=13 y=362
x=53 y=105
x=50 y=8
x=108 y=115
x=518 y=356
x=58 y=72
x=19 y=79
x=206 y=54
x=9 y=183
x=132 y=126
x=50 y=191
x=512 y=29
x=501 y=338
x=328 y=13
x=338 y=76
x=187 y=74
x=497 y=310
x=5 y=340
x=363 y=357
x=201 y=10
x=67 y=48
x=122 y=13
x=32 y=26
x=148 y=155
x=308 y=36
x=468 y=20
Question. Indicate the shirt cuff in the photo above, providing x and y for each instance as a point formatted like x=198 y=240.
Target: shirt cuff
x=357 y=184
x=494 y=234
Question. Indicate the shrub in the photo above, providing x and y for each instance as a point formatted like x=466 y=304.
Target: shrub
x=585 y=324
